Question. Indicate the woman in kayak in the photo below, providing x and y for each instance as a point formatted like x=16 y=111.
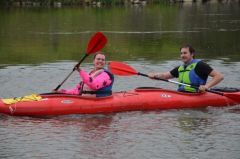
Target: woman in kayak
x=98 y=82
x=192 y=71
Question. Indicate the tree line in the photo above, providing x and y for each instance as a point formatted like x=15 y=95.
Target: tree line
x=70 y=2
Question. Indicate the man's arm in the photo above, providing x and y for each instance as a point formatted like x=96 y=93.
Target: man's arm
x=165 y=75
x=217 y=77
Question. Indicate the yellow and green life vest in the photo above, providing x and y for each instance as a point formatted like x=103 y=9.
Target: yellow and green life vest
x=188 y=75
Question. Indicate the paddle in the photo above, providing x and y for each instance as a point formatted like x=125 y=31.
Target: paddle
x=123 y=69
x=96 y=43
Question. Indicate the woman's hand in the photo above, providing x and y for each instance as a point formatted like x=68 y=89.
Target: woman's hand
x=77 y=68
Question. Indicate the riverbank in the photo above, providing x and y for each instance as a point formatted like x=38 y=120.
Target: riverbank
x=61 y=3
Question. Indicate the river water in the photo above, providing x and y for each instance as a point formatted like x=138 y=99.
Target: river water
x=39 y=47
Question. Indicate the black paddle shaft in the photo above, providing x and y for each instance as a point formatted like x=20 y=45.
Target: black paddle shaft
x=79 y=63
x=145 y=75
x=76 y=66
x=175 y=82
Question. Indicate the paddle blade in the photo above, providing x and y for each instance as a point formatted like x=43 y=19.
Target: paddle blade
x=97 y=42
x=121 y=69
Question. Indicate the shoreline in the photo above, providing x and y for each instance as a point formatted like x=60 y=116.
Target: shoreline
x=97 y=3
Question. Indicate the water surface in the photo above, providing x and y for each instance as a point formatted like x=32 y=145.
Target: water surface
x=39 y=47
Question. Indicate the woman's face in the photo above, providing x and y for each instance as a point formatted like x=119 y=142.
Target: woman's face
x=99 y=61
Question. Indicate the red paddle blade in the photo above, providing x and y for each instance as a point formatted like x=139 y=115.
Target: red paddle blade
x=121 y=69
x=97 y=42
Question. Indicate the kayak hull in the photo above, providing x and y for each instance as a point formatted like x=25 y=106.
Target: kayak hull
x=138 y=99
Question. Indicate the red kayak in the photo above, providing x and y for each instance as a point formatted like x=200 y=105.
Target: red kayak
x=138 y=99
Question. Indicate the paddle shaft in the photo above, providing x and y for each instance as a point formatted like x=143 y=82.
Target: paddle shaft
x=178 y=83
x=86 y=55
x=96 y=43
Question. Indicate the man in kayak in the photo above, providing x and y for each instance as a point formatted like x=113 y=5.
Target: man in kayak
x=192 y=71
x=98 y=82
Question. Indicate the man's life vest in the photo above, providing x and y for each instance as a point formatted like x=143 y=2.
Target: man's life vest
x=188 y=75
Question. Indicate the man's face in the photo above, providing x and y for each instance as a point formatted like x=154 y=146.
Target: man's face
x=99 y=61
x=185 y=55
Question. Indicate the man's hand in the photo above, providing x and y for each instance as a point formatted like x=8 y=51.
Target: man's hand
x=152 y=75
x=202 y=88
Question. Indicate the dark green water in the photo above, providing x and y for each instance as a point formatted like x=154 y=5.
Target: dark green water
x=33 y=35
x=39 y=47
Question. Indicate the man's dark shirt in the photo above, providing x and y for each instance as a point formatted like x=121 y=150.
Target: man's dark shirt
x=202 y=70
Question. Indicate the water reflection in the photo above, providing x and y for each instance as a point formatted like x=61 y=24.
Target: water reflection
x=153 y=32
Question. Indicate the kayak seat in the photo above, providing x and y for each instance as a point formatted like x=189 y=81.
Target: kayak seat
x=225 y=89
x=147 y=88
x=51 y=93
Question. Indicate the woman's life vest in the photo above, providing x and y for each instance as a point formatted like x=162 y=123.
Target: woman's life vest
x=99 y=83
